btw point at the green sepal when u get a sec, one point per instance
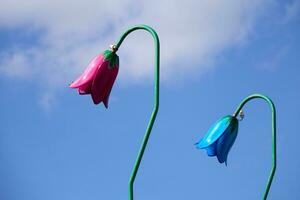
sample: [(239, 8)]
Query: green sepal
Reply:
[(112, 58)]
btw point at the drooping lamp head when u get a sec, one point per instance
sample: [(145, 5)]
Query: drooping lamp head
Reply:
[(99, 77), (220, 137)]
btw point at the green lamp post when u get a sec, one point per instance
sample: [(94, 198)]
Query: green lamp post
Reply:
[(98, 79), (156, 100)]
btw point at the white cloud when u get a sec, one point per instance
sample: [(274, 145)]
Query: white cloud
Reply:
[(15, 65), (72, 32)]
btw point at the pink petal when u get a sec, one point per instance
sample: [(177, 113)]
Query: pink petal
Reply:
[(105, 102), (87, 77), (85, 89), (99, 82), (103, 82), (109, 86)]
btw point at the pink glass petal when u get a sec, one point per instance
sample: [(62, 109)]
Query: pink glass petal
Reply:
[(89, 73), (99, 83), (103, 83), (85, 89), (110, 84)]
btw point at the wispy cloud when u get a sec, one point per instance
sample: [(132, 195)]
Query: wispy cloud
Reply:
[(46, 101), (15, 65), (292, 11), (74, 31), (273, 61)]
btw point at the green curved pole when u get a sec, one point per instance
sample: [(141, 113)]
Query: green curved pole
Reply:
[(274, 157), (156, 99)]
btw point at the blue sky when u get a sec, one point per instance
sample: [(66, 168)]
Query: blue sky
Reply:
[(57, 145)]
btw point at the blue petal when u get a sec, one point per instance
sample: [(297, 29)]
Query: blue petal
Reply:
[(212, 149), (226, 141), (215, 132)]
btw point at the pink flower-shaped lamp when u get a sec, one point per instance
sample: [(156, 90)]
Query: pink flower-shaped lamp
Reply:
[(99, 77)]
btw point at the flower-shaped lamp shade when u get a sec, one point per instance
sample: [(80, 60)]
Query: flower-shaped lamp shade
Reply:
[(99, 77), (219, 138)]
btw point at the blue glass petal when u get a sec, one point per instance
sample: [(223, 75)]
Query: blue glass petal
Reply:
[(215, 132), (226, 141), (212, 149)]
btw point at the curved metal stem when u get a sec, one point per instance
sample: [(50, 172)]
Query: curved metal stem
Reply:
[(156, 99), (271, 104)]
